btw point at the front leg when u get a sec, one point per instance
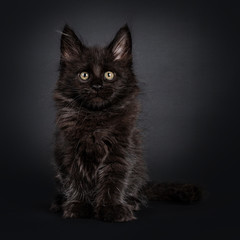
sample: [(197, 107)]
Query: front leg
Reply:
[(77, 209), (110, 204), (75, 206)]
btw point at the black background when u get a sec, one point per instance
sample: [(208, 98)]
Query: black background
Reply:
[(186, 56)]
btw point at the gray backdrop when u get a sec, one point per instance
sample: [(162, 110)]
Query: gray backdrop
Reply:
[(186, 57)]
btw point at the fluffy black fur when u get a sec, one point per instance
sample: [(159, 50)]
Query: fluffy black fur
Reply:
[(100, 169)]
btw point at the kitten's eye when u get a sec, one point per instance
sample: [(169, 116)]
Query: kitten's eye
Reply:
[(84, 76), (109, 75)]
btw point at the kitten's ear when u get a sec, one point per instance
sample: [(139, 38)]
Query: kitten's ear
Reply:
[(71, 46), (121, 45)]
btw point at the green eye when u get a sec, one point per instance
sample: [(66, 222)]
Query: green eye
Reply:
[(84, 76), (109, 75)]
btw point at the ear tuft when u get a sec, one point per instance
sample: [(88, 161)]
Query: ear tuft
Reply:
[(71, 46), (121, 46)]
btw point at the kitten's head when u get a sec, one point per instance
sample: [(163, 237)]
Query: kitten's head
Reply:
[(95, 77)]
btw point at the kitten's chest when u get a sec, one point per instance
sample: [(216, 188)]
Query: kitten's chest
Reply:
[(95, 135), (90, 123), (90, 134), (92, 144), (94, 129), (91, 153)]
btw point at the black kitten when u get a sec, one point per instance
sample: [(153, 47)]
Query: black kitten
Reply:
[(100, 169)]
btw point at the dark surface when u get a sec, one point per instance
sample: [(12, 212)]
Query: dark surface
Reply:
[(187, 60)]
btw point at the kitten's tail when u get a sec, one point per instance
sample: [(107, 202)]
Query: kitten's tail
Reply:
[(177, 192)]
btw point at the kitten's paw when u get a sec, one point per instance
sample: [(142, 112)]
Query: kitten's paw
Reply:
[(115, 213), (78, 210)]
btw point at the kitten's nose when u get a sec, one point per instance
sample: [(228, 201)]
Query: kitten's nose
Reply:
[(97, 86)]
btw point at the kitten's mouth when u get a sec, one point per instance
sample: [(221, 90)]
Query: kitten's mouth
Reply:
[(98, 99)]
